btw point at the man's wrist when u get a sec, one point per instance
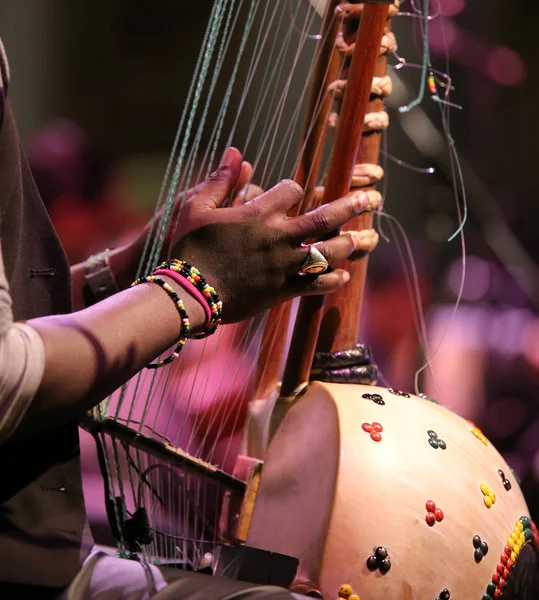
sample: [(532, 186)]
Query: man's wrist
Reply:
[(100, 281), (194, 309), (124, 263)]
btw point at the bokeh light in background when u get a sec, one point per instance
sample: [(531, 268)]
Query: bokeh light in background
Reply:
[(444, 36), (505, 67), (501, 64), (451, 8)]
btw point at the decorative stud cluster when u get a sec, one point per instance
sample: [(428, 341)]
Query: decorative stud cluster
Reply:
[(479, 435), (376, 398), (379, 560), (523, 533), (505, 481), (435, 441), (347, 593), (398, 393), (481, 549), (433, 514), (375, 429), (489, 497)]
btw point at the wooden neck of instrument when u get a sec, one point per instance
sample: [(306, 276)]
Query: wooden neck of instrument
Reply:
[(345, 151), (275, 341), (341, 322)]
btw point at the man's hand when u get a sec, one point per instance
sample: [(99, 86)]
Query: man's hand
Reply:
[(125, 260), (252, 253), (242, 192)]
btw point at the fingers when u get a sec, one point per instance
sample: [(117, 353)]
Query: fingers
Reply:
[(246, 194), (323, 284), (327, 218), (334, 250), (339, 247), (280, 200), (245, 176), (216, 190)]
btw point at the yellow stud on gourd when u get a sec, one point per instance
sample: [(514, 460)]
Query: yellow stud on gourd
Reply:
[(345, 591)]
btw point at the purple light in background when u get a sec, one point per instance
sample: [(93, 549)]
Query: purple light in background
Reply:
[(450, 8), (443, 35), (477, 282), (505, 67)]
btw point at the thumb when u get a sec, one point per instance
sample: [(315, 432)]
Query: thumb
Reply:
[(215, 191)]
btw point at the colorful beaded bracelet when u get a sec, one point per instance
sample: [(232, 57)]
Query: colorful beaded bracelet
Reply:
[(183, 316), (194, 277), (190, 288)]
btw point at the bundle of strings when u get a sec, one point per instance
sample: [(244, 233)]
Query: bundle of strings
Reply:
[(167, 438)]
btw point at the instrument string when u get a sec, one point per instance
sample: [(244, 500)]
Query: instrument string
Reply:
[(274, 75), (224, 44), (223, 408), (180, 505), (279, 326), (215, 28), (231, 403), (187, 173), (249, 82), (276, 125), (165, 200), (277, 117), (269, 341), (244, 387), (250, 78), (145, 266), (215, 135), (314, 117)]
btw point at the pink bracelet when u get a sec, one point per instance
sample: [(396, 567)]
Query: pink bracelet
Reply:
[(188, 287)]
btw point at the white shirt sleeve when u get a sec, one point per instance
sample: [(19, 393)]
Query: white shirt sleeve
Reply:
[(22, 362)]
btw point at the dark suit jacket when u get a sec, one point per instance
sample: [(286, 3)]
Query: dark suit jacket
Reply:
[(43, 531)]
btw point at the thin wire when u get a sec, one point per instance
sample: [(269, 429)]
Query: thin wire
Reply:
[(198, 78), (171, 197), (408, 166), (222, 15), (426, 61), (315, 36), (250, 79), (273, 126), (458, 179), (278, 116), (406, 259)]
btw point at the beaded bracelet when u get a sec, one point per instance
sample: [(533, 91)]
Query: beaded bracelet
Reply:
[(190, 288), (194, 277), (183, 315)]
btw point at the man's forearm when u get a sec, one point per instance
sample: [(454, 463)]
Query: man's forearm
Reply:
[(91, 353)]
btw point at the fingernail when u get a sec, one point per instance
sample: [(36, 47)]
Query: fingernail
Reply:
[(361, 200), (227, 157), (346, 277)]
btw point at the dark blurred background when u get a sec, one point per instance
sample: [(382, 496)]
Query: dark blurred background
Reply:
[(109, 78)]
